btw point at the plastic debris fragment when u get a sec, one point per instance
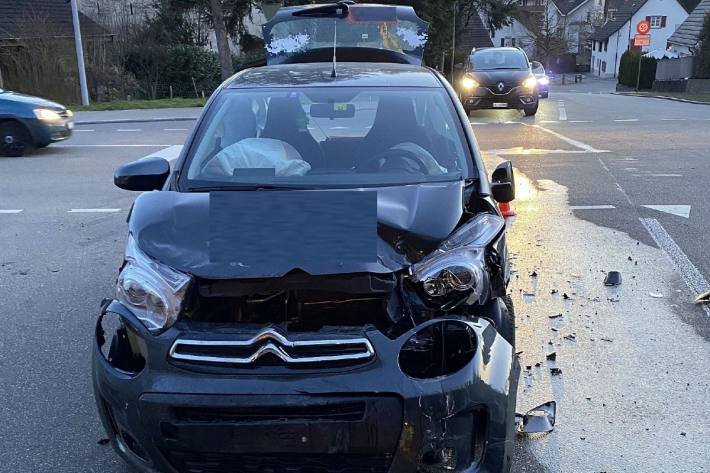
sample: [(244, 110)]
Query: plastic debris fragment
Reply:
[(703, 298), (656, 295), (613, 278), (538, 420)]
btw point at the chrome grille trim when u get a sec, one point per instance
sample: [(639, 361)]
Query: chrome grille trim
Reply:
[(275, 344)]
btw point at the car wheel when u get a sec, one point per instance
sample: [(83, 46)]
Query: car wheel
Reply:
[(14, 139), (507, 324), (530, 111)]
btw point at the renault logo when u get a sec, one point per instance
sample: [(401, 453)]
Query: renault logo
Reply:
[(501, 86)]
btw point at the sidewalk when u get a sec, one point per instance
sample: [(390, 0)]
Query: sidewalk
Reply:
[(589, 84), (136, 116)]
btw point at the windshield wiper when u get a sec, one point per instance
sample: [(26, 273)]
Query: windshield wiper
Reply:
[(243, 187)]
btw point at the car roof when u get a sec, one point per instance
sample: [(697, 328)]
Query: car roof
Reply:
[(349, 74)]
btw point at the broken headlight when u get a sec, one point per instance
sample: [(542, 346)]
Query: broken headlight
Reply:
[(456, 271), (152, 291)]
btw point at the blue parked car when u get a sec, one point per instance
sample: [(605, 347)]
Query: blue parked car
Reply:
[(31, 122)]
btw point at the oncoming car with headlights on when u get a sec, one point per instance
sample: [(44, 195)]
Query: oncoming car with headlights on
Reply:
[(499, 78), (319, 282)]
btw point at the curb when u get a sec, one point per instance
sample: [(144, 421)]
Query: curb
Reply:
[(134, 120), (662, 97)]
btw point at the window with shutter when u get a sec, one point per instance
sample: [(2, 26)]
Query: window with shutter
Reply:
[(656, 21), (663, 21)]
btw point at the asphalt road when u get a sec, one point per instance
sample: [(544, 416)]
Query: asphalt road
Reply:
[(632, 396)]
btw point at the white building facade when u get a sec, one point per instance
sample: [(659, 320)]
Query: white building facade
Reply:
[(613, 38)]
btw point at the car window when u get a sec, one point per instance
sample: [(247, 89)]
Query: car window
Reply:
[(329, 136), (492, 59)]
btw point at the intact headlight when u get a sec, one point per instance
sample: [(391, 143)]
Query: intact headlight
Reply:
[(529, 83), (458, 267), (544, 80), (47, 115), (152, 291), (469, 83)]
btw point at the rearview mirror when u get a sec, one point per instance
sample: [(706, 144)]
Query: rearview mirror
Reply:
[(143, 175), (503, 183), (333, 110)]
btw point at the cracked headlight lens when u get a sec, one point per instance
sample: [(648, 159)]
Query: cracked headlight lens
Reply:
[(458, 266), (152, 291)]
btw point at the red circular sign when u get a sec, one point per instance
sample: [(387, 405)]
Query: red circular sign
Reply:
[(643, 27)]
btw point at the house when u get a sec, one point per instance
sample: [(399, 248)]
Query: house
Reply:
[(475, 35), (535, 22), (616, 35), (685, 38), (27, 19)]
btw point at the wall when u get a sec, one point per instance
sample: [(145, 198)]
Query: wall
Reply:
[(675, 14), (516, 31)]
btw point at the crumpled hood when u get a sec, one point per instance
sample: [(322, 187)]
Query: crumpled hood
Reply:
[(257, 234)]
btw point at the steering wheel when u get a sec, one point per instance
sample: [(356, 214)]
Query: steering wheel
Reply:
[(396, 160)]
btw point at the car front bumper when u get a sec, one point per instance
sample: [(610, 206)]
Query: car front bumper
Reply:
[(371, 418), (484, 98), (44, 133)]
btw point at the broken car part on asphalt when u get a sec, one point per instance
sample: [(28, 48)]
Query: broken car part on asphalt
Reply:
[(538, 420), (613, 278)]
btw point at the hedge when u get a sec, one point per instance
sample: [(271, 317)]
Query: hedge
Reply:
[(629, 69)]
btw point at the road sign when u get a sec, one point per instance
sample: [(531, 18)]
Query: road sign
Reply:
[(642, 40), (643, 27)]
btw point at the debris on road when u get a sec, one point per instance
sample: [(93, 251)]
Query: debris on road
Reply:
[(656, 295), (103, 441), (566, 297), (613, 278), (533, 274), (554, 316), (570, 337), (703, 298), (554, 291), (552, 356), (538, 420), (555, 371)]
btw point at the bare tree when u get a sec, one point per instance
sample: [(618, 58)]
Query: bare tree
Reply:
[(220, 30)]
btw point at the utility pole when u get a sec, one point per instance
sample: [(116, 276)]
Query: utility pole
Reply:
[(79, 53), (453, 46)]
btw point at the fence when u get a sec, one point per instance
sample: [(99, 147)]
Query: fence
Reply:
[(675, 69)]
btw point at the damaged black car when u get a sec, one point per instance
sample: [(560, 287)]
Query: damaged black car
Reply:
[(318, 283)]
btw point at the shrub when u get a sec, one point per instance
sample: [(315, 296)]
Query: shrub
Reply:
[(629, 70)]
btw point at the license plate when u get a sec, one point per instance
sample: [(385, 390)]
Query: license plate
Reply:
[(500, 105)]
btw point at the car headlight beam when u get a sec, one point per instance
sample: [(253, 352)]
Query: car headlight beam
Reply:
[(543, 80), (529, 83), (47, 115), (153, 291), (468, 83)]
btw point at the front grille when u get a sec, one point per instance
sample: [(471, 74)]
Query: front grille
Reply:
[(270, 347), (194, 462), (507, 88), (336, 411)]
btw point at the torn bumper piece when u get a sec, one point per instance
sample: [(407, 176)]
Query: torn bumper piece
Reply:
[(176, 416)]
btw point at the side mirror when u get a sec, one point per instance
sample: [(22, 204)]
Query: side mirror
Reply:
[(503, 183), (143, 175), (536, 65)]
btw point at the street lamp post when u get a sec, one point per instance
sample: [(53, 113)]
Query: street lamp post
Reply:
[(79, 53)]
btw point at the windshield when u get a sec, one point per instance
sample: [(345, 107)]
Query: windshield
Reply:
[(330, 136), (493, 59), (538, 69)]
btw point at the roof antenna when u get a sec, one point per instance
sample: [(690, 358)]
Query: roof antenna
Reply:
[(335, 44)]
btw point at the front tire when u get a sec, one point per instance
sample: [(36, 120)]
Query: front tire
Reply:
[(545, 95), (14, 140), (530, 111), (507, 323)]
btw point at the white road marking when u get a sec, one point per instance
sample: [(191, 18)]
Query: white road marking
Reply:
[(679, 210), (631, 169), (478, 123), (592, 207), (535, 151), (510, 122), (563, 112), (82, 129), (10, 211), (626, 120), (580, 121), (175, 129), (616, 183), (128, 129), (90, 211), (548, 121), (578, 144), (657, 175), (673, 119), (690, 274), (171, 153)]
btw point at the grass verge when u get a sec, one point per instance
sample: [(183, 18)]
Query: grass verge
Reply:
[(140, 104)]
